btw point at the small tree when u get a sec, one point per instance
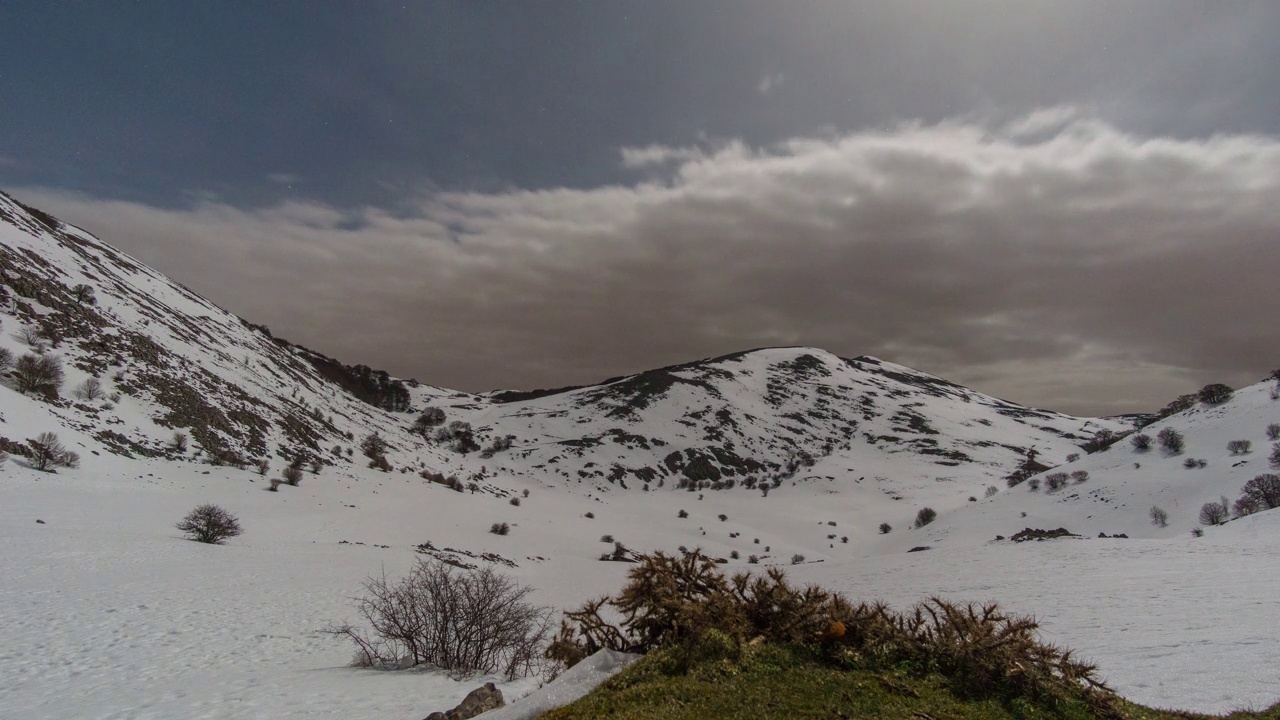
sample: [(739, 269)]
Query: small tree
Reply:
[(209, 524), (90, 389), (84, 294), (1159, 517), (38, 374), (1263, 491), (1239, 447), (430, 417), (46, 451), (885, 528), (6, 359), (1245, 505), (1275, 456), (1213, 513), (1141, 442), (925, 516), (374, 445), (1171, 440), (1215, 394)]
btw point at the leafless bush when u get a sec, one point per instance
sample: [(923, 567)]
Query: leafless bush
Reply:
[(1080, 476), (1171, 440), (262, 465), (1245, 505), (40, 374), (464, 621), (1214, 513), (1033, 484), (500, 528), (30, 335), (275, 484), (1141, 442), (179, 442), (1197, 532), (514, 501), (991, 491), (925, 516), (1073, 457), (1273, 431), (209, 524), (1053, 482), (1264, 490), (1239, 447), (46, 451), (1275, 456), (292, 475), (90, 389), (885, 528), (1159, 517), (682, 514), (6, 359), (797, 559)]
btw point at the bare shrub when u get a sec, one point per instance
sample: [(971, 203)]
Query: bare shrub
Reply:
[(515, 501), (682, 514), (925, 516), (292, 475), (1239, 447), (1080, 476), (275, 484), (262, 465), (1275, 456), (1159, 517), (1264, 490), (1033, 484), (209, 524), (1073, 457), (179, 442), (46, 451), (885, 528), (991, 491), (90, 389), (6, 359), (465, 621), (30, 335), (1197, 532), (1141, 442), (1190, 463), (1245, 505), (1214, 513), (723, 517), (606, 539), (1054, 482), (1171, 440), (38, 374), (1273, 431), (797, 559), (500, 528)]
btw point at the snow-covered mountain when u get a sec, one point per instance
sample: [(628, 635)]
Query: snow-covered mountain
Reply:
[(766, 457)]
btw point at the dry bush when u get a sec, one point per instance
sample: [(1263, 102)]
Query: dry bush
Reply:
[(1080, 476), (6, 359), (1273, 431), (292, 475), (39, 374), (1214, 513), (925, 516), (1171, 440), (47, 452), (464, 621), (209, 524), (677, 602), (90, 389), (1263, 491), (1141, 442), (262, 465), (1245, 506), (885, 528), (1239, 447), (1053, 482), (1159, 517)]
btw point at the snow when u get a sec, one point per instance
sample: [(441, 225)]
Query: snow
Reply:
[(108, 613), (569, 686)]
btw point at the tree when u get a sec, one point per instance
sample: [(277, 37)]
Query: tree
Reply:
[(459, 435), (465, 621), (375, 447), (1263, 491), (925, 516), (885, 528), (90, 389), (84, 294), (46, 451), (1213, 513), (1215, 394), (430, 417), (1275, 456), (6, 359), (209, 524), (1171, 440), (1141, 442), (1239, 447), (1159, 517), (1245, 505), (40, 374)]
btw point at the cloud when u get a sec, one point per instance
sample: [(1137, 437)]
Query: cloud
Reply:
[(769, 83), (1077, 267)]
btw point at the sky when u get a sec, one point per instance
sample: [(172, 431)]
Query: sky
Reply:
[(1070, 205)]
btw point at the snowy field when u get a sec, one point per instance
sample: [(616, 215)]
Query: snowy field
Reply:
[(109, 614)]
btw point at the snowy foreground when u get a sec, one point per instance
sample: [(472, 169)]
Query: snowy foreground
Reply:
[(107, 613)]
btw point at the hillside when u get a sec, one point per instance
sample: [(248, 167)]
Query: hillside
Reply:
[(777, 456)]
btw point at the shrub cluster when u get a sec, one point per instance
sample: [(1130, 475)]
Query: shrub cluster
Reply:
[(465, 621), (1171, 440), (683, 602), (38, 374), (1239, 447)]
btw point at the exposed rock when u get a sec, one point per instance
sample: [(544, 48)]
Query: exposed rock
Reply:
[(1037, 534), (483, 699)]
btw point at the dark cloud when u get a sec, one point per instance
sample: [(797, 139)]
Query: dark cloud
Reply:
[(1052, 259)]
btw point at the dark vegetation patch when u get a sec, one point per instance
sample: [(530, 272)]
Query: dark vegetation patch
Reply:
[(1037, 534)]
